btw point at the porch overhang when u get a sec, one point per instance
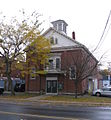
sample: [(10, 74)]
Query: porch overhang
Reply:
[(55, 72)]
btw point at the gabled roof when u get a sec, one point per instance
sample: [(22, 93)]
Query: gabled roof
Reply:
[(79, 45), (51, 28)]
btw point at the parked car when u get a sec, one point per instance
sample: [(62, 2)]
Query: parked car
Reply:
[(1, 90), (1, 86), (103, 92), (19, 87)]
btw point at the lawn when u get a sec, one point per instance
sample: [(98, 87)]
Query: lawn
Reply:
[(18, 95), (87, 98)]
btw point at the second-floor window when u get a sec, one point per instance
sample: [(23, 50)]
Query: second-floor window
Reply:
[(72, 73), (51, 64), (33, 73), (57, 63), (54, 63)]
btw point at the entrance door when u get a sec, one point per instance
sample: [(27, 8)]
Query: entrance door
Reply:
[(51, 86)]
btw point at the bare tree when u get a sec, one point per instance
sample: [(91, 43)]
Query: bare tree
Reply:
[(79, 64)]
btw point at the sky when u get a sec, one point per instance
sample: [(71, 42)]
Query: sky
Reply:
[(86, 17)]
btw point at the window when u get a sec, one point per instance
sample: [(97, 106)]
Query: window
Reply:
[(59, 26), (51, 66), (52, 40), (106, 89), (72, 73), (33, 74), (56, 41), (62, 26), (57, 63)]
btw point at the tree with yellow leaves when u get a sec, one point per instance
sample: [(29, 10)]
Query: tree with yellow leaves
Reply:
[(18, 37)]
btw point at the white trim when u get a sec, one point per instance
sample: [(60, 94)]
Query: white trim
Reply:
[(51, 93), (53, 58), (51, 78)]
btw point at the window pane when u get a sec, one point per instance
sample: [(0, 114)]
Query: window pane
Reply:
[(59, 26), (73, 73), (52, 40), (51, 64), (57, 63), (56, 41), (33, 73)]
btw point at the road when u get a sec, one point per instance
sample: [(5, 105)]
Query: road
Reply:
[(27, 111)]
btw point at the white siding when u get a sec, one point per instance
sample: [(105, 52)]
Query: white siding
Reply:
[(62, 40)]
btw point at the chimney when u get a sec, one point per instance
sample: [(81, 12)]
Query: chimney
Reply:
[(73, 35)]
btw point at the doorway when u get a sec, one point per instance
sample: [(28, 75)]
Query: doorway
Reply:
[(51, 86)]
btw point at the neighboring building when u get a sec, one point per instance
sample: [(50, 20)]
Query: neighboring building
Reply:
[(61, 71), (16, 74), (105, 81)]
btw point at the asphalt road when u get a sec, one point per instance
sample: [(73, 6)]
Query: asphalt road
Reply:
[(12, 111)]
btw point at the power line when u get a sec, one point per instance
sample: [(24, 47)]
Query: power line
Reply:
[(106, 34), (103, 31)]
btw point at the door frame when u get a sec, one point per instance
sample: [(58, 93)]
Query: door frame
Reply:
[(51, 79)]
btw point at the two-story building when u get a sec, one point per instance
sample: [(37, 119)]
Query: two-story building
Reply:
[(62, 70)]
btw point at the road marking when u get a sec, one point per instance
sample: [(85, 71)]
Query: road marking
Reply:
[(40, 116)]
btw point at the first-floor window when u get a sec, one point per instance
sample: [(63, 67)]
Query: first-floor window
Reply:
[(33, 74), (72, 73)]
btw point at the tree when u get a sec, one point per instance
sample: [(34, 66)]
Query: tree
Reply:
[(81, 65), (104, 72), (37, 57), (15, 36)]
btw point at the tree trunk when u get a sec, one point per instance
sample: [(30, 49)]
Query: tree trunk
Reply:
[(40, 80), (8, 74), (76, 88), (10, 84), (40, 85)]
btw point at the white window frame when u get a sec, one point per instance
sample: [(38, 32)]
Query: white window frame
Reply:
[(53, 40), (54, 62)]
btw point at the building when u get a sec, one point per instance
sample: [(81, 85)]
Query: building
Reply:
[(67, 55), (105, 81)]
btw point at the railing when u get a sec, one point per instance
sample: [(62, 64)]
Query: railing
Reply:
[(52, 68)]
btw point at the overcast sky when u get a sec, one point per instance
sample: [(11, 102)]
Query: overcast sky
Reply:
[(86, 17)]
